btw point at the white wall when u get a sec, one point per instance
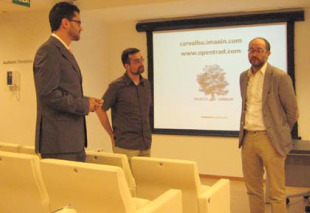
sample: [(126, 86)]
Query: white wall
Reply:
[(302, 74), (19, 38), (98, 53)]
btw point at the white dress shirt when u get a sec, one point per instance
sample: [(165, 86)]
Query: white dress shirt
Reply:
[(56, 36), (254, 113)]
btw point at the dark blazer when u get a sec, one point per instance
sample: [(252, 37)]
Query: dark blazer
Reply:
[(279, 108), (61, 105)]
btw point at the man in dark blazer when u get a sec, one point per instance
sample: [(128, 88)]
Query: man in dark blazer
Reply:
[(269, 112), (61, 105)]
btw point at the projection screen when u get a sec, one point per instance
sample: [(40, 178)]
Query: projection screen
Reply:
[(195, 73)]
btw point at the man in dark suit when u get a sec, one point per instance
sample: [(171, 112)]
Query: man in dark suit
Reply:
[(269, 112), (61, 105)]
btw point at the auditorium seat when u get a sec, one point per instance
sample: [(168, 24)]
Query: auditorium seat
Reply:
[(100, 188), (113, 159), (27, 149), (22, 187), (9, 147), (155, 175)]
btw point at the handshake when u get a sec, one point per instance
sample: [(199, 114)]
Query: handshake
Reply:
[(94, 104)]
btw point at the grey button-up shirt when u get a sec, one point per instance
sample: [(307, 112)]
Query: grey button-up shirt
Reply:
[(130, 105)]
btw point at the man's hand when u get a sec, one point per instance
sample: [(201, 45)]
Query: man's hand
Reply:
[(112, 139), (94, 104)]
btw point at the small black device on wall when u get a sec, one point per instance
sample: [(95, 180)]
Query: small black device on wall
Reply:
[(10, 78)]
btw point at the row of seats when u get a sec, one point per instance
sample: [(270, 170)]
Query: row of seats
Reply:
[(113, 159), (29, 184), (11, 147), (96, 157), (22, 187), (154, 175), (150, 178)]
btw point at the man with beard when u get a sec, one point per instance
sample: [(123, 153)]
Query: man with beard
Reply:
[(129, 97), (269, 112), (61, 104)]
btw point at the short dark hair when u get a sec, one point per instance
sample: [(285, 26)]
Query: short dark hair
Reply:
[(126, 53), (268, 47), (59, 11)]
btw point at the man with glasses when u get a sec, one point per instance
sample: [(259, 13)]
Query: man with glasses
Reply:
[(129, 97), (61, 105), (269, 112)]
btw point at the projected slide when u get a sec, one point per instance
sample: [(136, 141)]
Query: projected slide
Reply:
[(196, 74)]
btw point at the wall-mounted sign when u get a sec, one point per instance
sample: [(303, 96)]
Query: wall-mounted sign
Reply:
[(18, 61), (25, 3)]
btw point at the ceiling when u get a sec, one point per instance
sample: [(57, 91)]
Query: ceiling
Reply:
[(6, 6), (115, 10)]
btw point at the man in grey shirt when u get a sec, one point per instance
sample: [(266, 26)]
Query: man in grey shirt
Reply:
[(129, 97)]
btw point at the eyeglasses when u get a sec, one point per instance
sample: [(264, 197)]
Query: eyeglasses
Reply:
[(138, 61), (257, 51), (77, 21)]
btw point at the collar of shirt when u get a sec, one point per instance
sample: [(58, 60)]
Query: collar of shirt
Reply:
[(56, 36), (129, 81), (261, 71)]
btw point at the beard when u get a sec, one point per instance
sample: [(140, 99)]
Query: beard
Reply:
[(141, 69), (76, 37), (74, 34), (255, 62), (136, 71)]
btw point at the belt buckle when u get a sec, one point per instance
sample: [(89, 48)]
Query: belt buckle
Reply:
[(255, 131)]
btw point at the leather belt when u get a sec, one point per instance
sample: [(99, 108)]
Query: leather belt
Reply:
[(255, 131)]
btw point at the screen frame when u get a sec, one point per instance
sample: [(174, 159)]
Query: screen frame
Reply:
[(219, 21)]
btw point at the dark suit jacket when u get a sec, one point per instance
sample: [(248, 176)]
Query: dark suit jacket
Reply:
[(61, 106), (279, 108)]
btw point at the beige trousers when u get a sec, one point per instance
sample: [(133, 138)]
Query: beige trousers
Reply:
[(257, 154), (131, 153)]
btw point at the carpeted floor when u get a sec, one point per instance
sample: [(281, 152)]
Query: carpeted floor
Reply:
[(239, 199)]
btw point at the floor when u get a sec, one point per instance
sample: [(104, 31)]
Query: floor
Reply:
[(239, 199)]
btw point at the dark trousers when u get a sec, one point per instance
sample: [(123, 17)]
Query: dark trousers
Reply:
[(73, 156)]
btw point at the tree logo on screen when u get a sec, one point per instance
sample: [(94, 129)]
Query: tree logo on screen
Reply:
[(212, 81)]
